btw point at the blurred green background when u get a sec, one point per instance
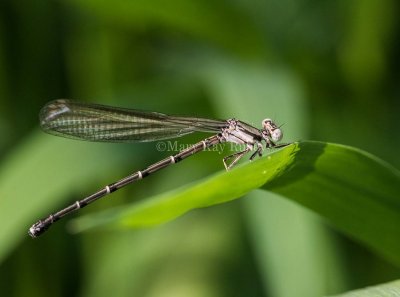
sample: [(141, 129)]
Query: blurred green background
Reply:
[(327, 70)]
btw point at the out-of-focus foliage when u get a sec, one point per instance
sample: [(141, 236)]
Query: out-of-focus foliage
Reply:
[(327, 70), (389, 289)]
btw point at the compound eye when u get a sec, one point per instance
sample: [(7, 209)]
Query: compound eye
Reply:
[(267, 123), (276, 135), (272, 130)]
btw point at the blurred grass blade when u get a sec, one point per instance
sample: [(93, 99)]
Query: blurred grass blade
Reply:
[(355, 191), (232, 21), (32, 184), (383, 290), (282, 272)]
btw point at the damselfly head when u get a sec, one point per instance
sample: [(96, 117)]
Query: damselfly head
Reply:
[(272, 130)]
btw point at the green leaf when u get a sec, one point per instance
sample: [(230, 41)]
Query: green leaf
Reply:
[(383, 290), (205, 193), (355, 191)]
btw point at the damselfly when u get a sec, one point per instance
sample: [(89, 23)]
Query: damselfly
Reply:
[(95, 122)]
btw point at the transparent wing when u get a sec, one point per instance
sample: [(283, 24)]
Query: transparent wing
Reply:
[(95, 122)]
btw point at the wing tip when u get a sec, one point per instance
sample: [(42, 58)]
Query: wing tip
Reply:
[(52, 111)]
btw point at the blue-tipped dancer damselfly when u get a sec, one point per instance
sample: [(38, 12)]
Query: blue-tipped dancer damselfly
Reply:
[(95, 122)]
